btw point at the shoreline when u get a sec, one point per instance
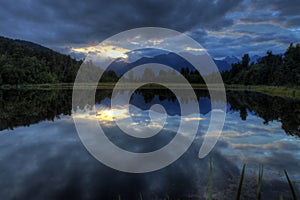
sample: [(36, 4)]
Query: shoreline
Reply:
[(280, 91)]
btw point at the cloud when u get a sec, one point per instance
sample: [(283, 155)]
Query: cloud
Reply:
[(285, 8), (223, 27), (285, 13), (252, 38), (68, 22)]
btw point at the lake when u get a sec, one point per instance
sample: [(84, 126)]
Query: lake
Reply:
[(42, 157)]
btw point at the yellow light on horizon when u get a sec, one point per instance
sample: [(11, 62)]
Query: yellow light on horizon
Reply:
[(110, 115), (194, 49), (103, 51)]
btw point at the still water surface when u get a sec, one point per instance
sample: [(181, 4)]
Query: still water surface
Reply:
[(41, 156)]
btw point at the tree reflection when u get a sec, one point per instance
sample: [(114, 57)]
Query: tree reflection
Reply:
[(269, 108), (25, 107)]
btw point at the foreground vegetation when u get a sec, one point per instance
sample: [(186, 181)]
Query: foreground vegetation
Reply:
[(239, 192), (259, 184)]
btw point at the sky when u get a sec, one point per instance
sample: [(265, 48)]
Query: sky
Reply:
[(223, 27)]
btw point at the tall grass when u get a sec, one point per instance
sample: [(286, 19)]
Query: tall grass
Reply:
[(239, 192), (141, 196), (210, 180), (291, 185), (259, 183), (238, 195)]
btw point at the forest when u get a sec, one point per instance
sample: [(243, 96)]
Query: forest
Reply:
[(29, 63), (271, 69)]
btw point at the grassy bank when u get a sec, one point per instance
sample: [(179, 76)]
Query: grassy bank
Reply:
[(100, 86), (281, 91)]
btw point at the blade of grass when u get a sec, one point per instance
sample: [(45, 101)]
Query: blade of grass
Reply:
[(238, 195), (260, 175), (141, 196), (281, 197), (291, 185), (210, 180)]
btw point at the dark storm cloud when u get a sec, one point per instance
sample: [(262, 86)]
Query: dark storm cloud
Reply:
[(286, 8), (294, 22), (281, 12), (239, 45), (221, 26), (61, 22), (258, 26)]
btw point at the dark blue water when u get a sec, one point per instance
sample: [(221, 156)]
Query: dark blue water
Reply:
[(42, 157)]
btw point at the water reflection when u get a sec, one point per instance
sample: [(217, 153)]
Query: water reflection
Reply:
[(47, 160), (269, 108), (23, 108)]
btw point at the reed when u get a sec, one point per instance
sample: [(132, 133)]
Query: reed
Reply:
[(291, 185), (210, 180), (260, 176), (238, 195)]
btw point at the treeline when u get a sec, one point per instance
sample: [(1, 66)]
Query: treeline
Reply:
[(192, 76), (28, 63), (269, 70), (23, 62)]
